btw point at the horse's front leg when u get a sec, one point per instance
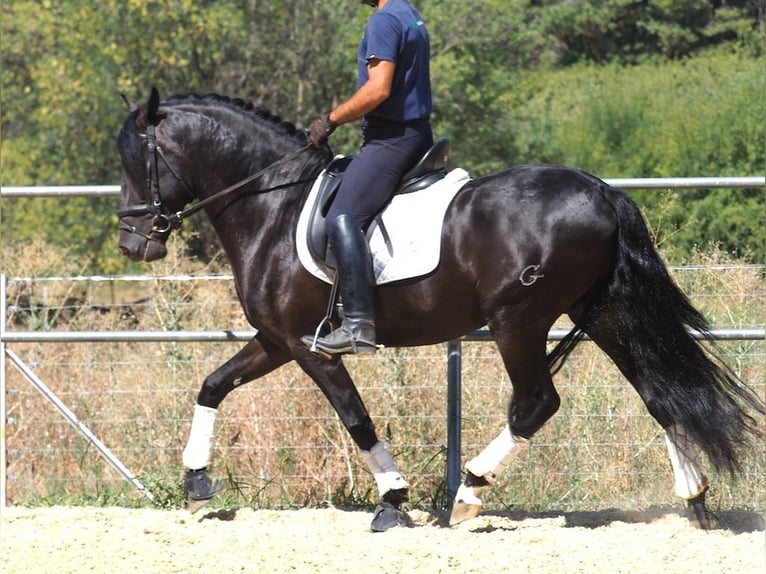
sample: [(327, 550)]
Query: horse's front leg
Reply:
[(333, 379), (254, 360)]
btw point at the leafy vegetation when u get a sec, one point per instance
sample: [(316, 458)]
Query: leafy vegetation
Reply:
[(699, 117), (621, 88)]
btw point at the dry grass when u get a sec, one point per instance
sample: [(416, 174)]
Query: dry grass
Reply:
[(278, 441)]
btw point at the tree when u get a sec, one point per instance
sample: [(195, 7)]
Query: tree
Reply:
[(629, 31), (499, 72), (65, 62)]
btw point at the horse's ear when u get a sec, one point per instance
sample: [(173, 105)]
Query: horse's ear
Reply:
[(154, 102), (147, 114), (132, 106)]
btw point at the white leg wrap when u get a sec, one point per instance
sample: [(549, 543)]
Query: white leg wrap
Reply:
[(690, 482), (198, 449), (383, 468), (469, 495), (498, 454)]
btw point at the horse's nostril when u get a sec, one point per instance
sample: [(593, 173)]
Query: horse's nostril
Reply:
[(123, 250)]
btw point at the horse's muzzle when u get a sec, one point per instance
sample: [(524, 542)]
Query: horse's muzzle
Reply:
[(138, 246)]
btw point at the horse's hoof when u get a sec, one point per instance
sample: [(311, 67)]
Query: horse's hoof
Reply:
[(199, 488), (462, 512), (387, 516), (699, 515), (465, 506), (397, 497)]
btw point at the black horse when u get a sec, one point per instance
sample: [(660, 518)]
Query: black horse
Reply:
[(518, 249)]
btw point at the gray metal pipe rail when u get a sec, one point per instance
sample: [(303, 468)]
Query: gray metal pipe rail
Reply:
[(736, 182), (481, 335)]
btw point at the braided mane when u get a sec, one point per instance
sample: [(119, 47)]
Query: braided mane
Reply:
[(254, 111)]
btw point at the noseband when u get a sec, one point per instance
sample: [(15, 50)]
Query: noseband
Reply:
[(164, 221)]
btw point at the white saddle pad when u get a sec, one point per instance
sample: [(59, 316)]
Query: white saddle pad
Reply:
[(413, 222)]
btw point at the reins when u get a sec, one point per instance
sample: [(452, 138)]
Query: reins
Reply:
[(240, 184), (164, 222)]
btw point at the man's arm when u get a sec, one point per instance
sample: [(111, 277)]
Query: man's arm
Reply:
[(373, 92)]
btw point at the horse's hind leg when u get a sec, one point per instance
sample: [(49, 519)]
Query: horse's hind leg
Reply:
[(481, 472), (254, 360), (690, 482), (534, 401)]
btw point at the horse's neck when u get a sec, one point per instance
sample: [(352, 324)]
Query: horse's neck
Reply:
[(259, 223), (253, 220)]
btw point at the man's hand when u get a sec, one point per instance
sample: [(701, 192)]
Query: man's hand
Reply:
[(320, 129)]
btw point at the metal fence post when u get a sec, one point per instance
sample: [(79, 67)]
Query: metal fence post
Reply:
[(3, 408), (454, 365)]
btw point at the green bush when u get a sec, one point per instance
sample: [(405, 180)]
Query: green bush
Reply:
[(695, 118)]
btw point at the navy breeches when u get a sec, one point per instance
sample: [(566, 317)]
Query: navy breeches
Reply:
[(389, 150)]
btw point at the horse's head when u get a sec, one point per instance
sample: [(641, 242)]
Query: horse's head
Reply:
[(151, 190), (204, 148)]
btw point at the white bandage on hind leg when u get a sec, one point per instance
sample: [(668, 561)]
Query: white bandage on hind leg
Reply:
[(383, 468), (498, 454), (690, 482), (197, 453)]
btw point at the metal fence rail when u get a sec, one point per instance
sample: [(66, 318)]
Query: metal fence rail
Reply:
[(738, 182)]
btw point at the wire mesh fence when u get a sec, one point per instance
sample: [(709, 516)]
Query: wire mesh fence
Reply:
[(279, 443)]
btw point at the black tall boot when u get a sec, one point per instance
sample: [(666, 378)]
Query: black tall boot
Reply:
[(356, 282)]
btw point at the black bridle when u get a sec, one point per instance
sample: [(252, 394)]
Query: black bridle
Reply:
[(165, 221)]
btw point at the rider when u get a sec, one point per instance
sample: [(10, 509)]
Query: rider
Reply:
[(393, 98)]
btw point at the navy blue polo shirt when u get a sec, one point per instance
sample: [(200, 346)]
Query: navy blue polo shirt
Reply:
[(397, 33)]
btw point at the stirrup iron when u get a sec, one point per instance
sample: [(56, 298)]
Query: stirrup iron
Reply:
[(327, 319)]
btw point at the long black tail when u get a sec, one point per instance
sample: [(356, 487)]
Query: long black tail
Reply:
[(681, 380)]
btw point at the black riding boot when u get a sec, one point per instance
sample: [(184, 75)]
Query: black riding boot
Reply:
[(354, 267)]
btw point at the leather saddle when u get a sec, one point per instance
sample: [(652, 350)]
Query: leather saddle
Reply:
[(430, 168)]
